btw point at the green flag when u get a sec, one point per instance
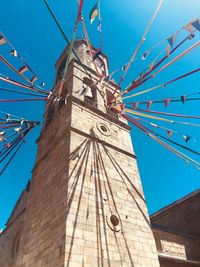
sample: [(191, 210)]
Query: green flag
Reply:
[(93, 13)]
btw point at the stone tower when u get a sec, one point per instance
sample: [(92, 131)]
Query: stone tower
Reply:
[(84, 206)]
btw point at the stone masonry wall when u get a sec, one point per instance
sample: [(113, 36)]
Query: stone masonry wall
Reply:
[(105, 182), (176, 245)]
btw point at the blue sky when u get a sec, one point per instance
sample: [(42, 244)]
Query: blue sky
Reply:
[(29, 27)]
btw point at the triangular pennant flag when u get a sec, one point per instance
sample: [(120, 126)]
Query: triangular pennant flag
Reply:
[(99, 27), (172, 39), (186, 138), (168, 51), (149, 103), (145, 54), (2, 136), (93, 13), (169, 133), (167, 101), (8, 117), (188, 27), (8, 145), (133, 82), (183, 99), (2, 40), (18, 129), (196, 24), (23, 69), (124, 67), (154, 125), (33, 79), (97, 54), (135, 105), (13, 53)]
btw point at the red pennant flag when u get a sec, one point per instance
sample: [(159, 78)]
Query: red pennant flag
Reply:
[(135, 105), (33, 79), (23, 69), (2, 40), (167, 101), (149, 103), (183, 99), (8, 145), (169, 133)]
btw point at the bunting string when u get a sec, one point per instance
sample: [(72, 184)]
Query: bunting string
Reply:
[(169, 132), (188, 27), (14, 69), (11, 158), (14, 130), (173, 142), (144, 79), (160, 118), (175, 151), (182, 98), (168, 114), (179, 145), (20, 84), (141, 41), (89, 45), (176, 58), (22, 100), (182, 76), (19, 92), (160, 85), (139, 45), (64, 35), (70, 49), (15, 53)]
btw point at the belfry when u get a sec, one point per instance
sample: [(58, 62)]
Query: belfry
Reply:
[(84, 205)]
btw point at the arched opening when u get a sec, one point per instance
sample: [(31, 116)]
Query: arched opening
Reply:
[(89, 91)]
